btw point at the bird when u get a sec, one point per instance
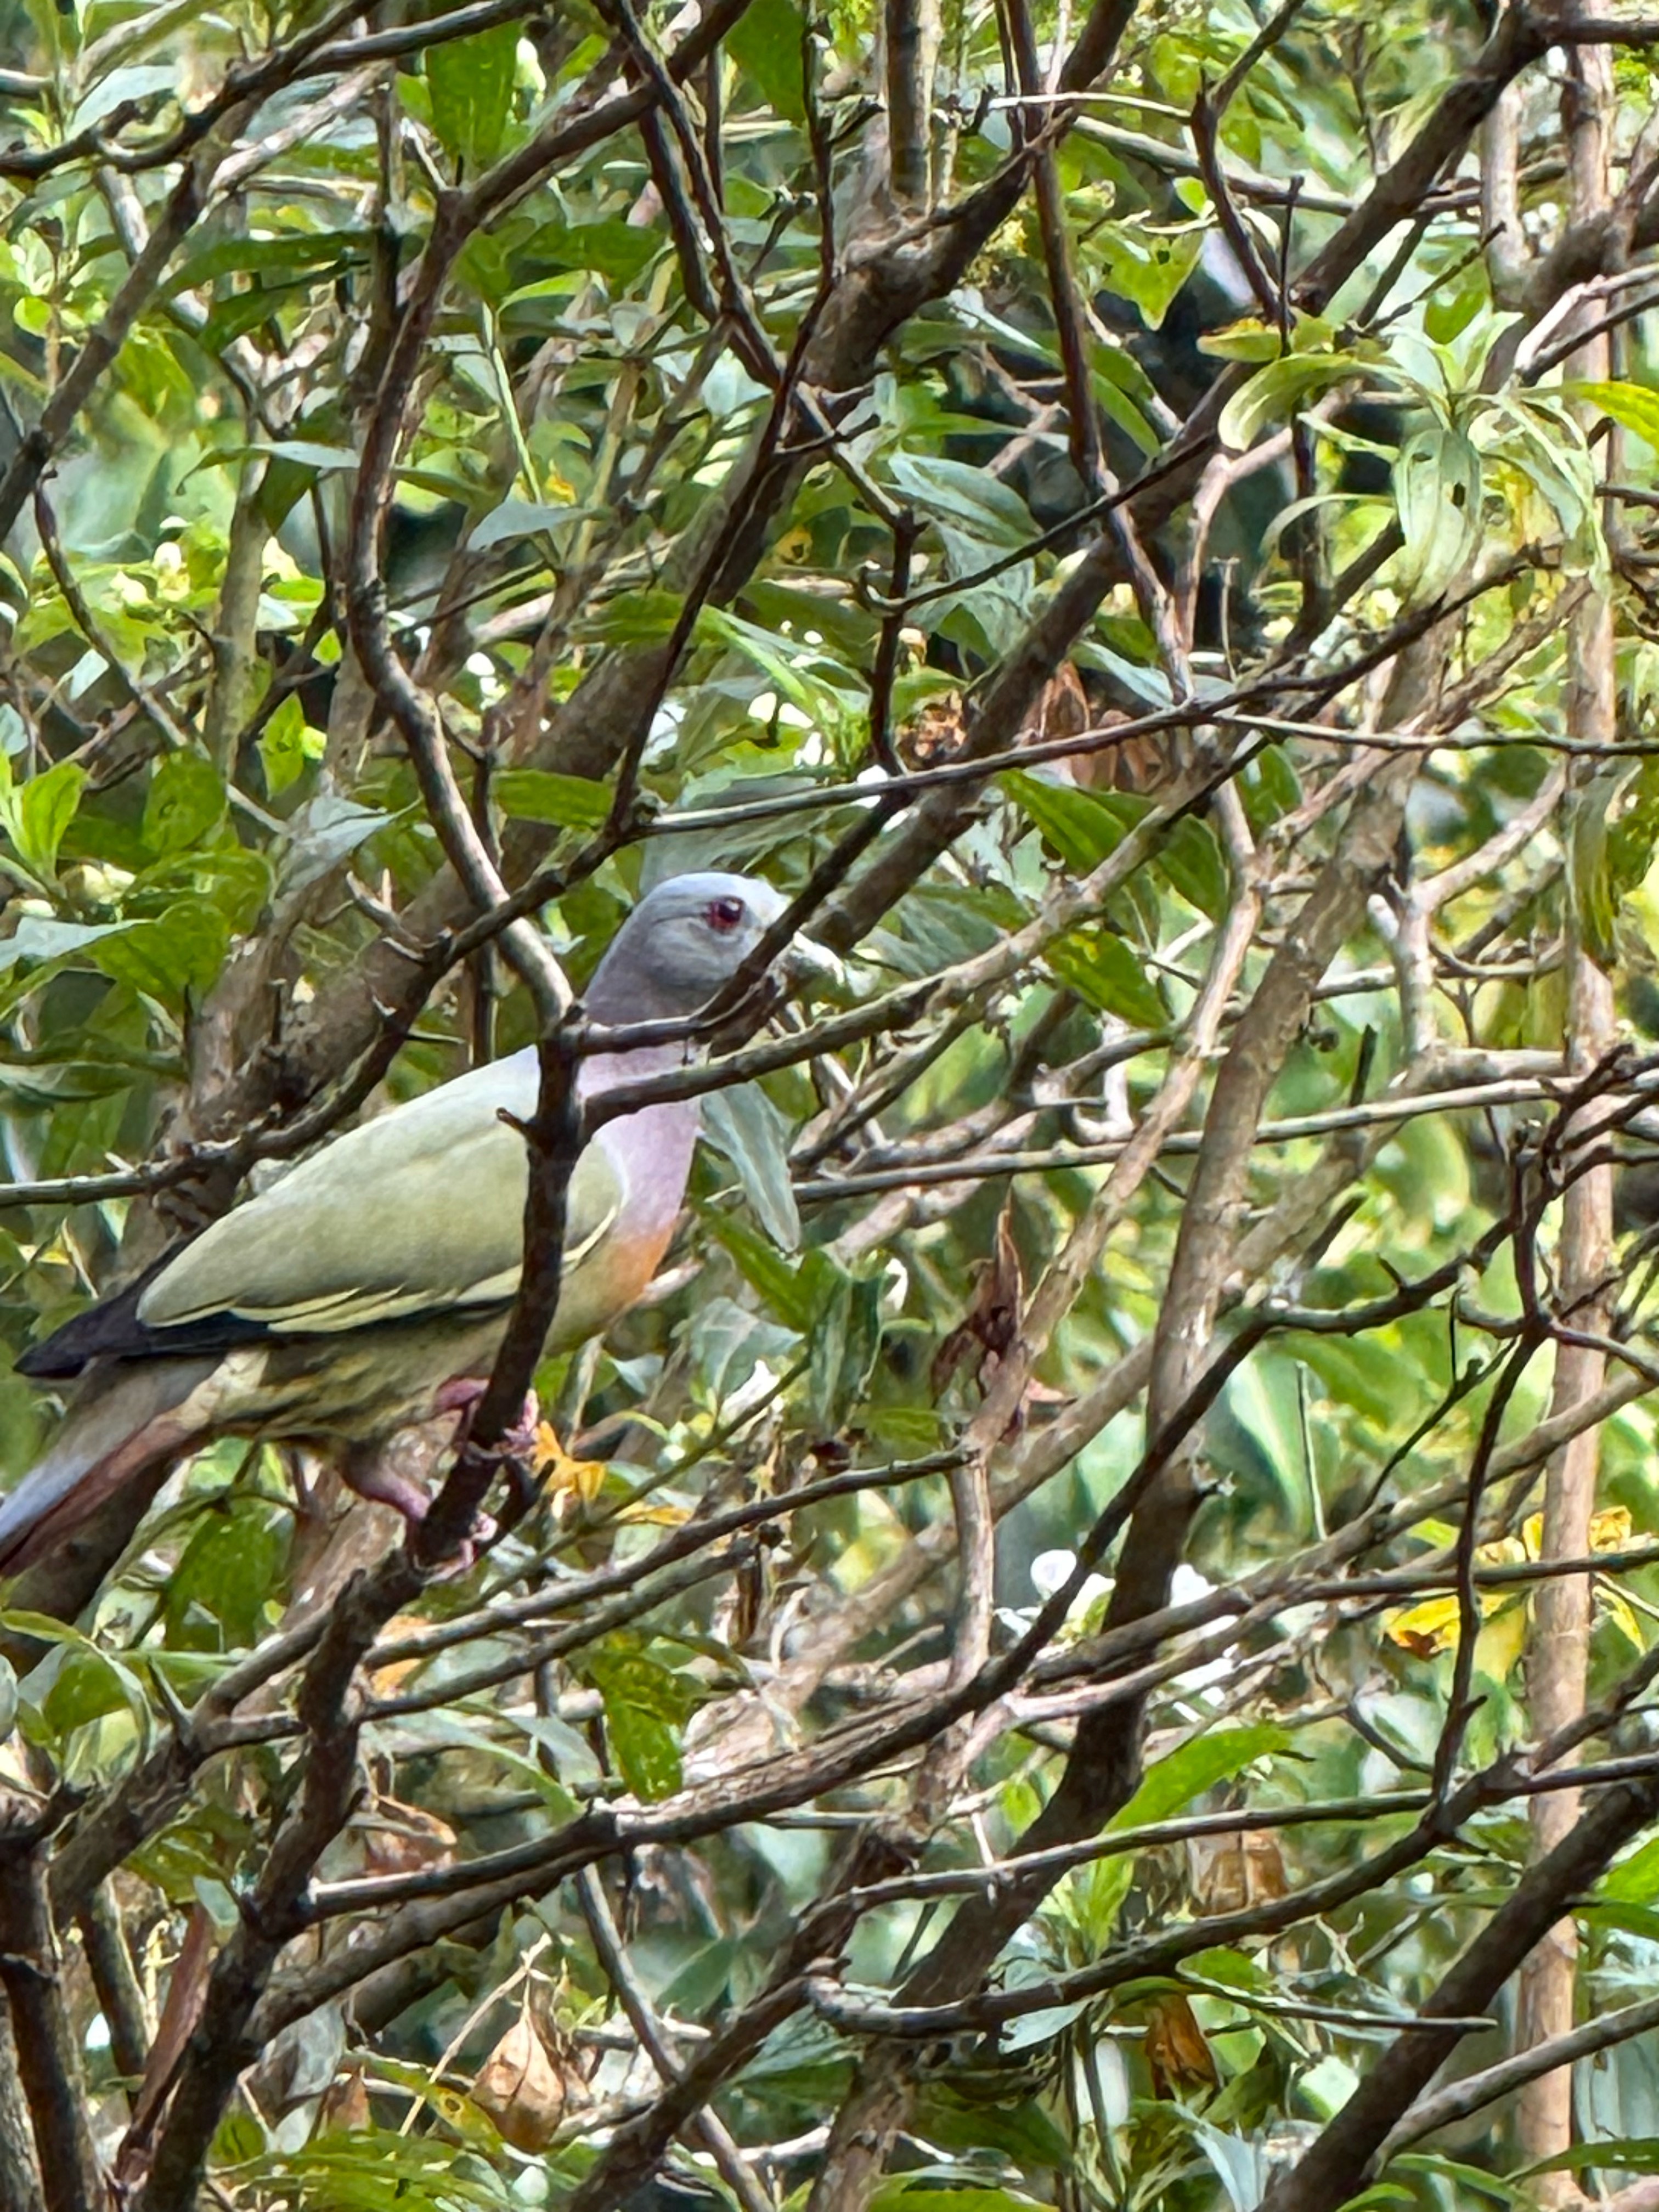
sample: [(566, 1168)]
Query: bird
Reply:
[(370, 1286)]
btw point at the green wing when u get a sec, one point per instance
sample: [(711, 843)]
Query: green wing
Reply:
[(420, 1211)]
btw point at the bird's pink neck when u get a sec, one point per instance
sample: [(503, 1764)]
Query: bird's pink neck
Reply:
[(651, 1148)]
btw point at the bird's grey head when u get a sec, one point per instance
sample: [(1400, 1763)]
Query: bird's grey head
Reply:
[(682, 942)]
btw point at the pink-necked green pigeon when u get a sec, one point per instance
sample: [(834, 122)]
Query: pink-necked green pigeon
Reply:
[(345, 1300)]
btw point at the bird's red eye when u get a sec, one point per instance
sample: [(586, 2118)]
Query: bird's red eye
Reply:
[(724, 915)]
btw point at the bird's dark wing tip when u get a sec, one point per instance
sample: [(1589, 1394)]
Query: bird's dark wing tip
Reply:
[(110, 1326), (112, 1329), (47, 1362)]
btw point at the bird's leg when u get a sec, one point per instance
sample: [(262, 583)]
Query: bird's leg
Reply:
[(522, 1446), (373, 1471), (460, 1395)]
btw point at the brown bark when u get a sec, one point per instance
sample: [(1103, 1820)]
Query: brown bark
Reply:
[(1557, 1656), (19, 2177), (46, 2048)]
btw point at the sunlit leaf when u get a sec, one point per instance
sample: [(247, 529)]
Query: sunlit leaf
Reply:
[(471, 81)]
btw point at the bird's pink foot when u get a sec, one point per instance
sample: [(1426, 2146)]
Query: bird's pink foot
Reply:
[(371, 1471), (460, 1394), (525, 1435), (520, 1446)]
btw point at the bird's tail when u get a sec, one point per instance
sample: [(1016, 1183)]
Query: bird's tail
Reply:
[(124, 1422)]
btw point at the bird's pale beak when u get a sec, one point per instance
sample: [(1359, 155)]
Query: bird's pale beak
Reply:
[(805, 957)]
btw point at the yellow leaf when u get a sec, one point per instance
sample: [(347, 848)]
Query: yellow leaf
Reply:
[(1619, 1608), (1502, 1640), (1610, 1528), (1426, 1628), (1609, 1531), (564, 1477), (1504, 1552), (1431, 1627)]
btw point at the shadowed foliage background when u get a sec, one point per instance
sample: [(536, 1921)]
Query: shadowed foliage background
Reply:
[(1140, 521)]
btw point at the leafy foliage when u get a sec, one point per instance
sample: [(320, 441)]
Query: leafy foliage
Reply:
[(1140, 582)]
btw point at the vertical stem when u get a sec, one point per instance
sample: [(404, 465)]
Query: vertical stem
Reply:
[(231, 698), (20, 2178), (120, 1997), (1083, 429), (47, 2054), (912, 35), (1557, 1657), (1500, 199)]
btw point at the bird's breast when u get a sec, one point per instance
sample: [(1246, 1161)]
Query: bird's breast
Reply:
[(650, 1150)]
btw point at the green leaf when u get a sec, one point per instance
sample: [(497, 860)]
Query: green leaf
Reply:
[(611, 248), (786, 1290), (960, 2121), (1190, 861), (287, 745), (798, 672), (1632, 405), (1274, 394), (645, 1709), (470, 81), (39, 938), (321, 253), (186, 800), (225, 1575), (1540, 439), (301, 453), (641, 618), (901, 2195), (970, 496), (845, 1340), (1635, 1879), (1593, 886), (536, 794), (46, 807), (1148, 265), (767, 43), (173, 959), (1104, 970), (321, 834), (1122, 390), (376, 2169), (1437, 488), (1216, 1756), (1634, 2153), (1168, 1786), (75, 1683), (518, 518), (1453, 307), (1249, 339), (1082, 827), (754, 1136), (703, 1981)]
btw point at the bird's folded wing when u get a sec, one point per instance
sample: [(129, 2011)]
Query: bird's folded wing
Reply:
[(419, 1212)]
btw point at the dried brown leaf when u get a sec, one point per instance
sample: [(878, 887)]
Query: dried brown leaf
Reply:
[(523, 2086), (1176, 2051)]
